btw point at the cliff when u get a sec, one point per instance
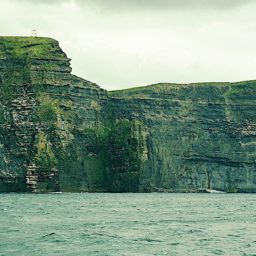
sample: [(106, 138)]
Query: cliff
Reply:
[(197, 135), (60, 132), (44, 114)]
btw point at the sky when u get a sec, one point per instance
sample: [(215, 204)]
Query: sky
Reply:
[(128, 43)]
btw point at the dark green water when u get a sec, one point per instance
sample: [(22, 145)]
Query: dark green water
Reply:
[(127, 224)]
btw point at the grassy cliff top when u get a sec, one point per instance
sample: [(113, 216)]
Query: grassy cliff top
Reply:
[(30, 47), (14, 47), (231, 89)]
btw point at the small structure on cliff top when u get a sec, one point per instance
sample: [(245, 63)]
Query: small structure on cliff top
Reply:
[(34, 33)]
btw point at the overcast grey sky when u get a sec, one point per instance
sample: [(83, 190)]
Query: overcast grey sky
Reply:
[(120, 44)]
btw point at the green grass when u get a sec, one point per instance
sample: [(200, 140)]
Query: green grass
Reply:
[(244, 88), (235, 89), (147, 90), (48, 110), (29, 47)]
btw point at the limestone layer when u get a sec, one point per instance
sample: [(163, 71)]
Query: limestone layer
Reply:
[(59, 132)]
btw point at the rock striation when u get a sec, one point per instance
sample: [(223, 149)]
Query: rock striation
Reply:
[(59, 132), (44, 114), (196, 135)]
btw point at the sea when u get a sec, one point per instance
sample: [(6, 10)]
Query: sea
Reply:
[(136, 224)]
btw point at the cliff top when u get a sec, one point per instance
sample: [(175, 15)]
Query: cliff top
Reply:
[(230, 89), (30, 47), (15, 47)]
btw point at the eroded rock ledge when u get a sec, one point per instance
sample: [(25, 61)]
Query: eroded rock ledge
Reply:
[(59, 132)]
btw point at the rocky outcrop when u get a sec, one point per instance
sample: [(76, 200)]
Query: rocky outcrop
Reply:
[(60, 132)]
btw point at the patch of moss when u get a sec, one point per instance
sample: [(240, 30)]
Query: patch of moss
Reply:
[(48, 109), (45, 157), (123, 146), (233, 189), (242, 89), (120, 146)]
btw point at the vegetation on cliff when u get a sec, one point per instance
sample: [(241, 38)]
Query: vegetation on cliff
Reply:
[(60, 131), (119, 147), (29, 47), (44, 157), (48, 110)]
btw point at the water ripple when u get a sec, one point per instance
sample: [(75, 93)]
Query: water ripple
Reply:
[(127, 224)]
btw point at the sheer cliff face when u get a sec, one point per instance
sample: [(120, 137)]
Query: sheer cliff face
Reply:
[(44, 114), (60, 132), (197, 135)]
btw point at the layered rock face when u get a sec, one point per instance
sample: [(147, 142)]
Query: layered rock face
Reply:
[(59, 132), (197, 135), (44, 114)]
